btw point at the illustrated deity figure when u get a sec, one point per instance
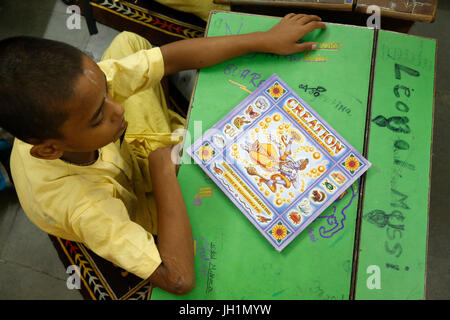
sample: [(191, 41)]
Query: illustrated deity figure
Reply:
[(276, 160)]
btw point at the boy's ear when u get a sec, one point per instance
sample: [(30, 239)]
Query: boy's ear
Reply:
[(46, 150)]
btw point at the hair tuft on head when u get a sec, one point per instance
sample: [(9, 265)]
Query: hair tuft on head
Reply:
[(37, 77)]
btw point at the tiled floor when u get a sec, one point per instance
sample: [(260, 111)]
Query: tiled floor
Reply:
[(29, 265)]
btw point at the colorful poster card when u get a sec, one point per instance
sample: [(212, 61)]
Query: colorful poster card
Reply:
[(278, 161)]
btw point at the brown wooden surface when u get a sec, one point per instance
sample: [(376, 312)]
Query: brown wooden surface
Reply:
[(343, 17), (157, 23), (340, 5), (417, 10), (309, 2), (420, 10)]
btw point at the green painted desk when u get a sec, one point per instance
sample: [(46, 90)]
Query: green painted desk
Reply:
[(371, 244)]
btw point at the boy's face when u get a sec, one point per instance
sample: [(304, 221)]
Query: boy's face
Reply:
[(95, 120)]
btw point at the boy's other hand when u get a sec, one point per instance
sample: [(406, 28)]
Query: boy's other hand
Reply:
[(282, 38), (160, 159), (176, 273)]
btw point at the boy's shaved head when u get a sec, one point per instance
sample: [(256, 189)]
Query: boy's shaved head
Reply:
[(37, 77)]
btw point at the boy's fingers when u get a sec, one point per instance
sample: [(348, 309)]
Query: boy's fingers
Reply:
[(289, 15), (309, 18), (299, 16), (306, 46), (314, 25)]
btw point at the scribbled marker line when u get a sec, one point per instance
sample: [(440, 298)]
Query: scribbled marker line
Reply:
[(240, 86), (205, 192)]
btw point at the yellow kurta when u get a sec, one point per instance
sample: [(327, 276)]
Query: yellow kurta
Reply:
[(108, 205)]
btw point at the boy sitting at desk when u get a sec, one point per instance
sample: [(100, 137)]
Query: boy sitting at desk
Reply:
[(91, 161)]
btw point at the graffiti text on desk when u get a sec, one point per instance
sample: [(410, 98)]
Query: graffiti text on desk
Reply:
[(202, 193)]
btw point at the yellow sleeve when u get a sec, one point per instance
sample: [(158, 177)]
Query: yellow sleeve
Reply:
[(106, 229), (138, 71)]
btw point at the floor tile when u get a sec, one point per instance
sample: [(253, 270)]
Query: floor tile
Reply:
[(58, 30), (9, 205), (22, 283), (23, 17), (98, 43), (184, 81), (438, 277), (60, 7), (29, 246)]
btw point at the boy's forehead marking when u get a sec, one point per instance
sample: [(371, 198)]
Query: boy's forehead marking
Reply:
[(90, 75), (93, 78)]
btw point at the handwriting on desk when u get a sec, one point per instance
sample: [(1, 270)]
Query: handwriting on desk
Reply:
[(331, 46), (229, 29), (335, 221), (316, 58), (316, 290), (337, 104), (394, 221), (314, 91), (253, 77), (413, 57), (206, 250), (288, 58), (202, 192)]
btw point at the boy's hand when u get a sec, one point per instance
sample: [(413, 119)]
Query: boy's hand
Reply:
[(176, 273), (282, 38), (160, 159), (205, 52)]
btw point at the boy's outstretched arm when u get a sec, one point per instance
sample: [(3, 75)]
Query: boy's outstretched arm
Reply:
[(175, 244), (204, 52)]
